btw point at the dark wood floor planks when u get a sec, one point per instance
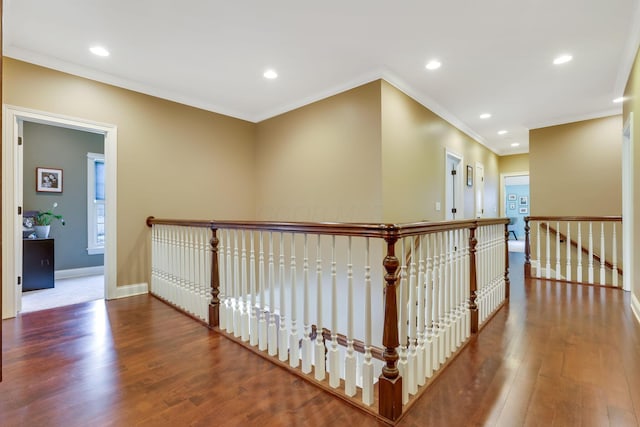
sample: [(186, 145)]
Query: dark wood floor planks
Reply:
[(557, 354)]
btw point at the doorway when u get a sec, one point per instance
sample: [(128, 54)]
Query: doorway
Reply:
[(454, 201), (14, 118), (61, 268), (479, 193)]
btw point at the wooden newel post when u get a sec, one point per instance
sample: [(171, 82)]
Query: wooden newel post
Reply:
[(507, 282), (214, 305), (473, 282), (527, 249), (390, 382)]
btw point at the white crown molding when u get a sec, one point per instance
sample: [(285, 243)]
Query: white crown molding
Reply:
[(91, 74), (88, 73), (578, 118), (629, 53)]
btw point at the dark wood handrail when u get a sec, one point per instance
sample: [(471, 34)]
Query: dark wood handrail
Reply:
[(335, 228), (574, 218)]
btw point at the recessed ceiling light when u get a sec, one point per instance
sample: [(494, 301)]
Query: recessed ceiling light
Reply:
[(433, 64), (618, 100), (270, 74), (562, 59), (502, 132), (485, 115), (99, 50), (515, 144)]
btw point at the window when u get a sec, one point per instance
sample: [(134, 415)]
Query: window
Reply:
[(95, 203)]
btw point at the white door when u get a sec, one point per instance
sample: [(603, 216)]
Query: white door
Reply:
[(20, 203), (453, 187), (479, 190)]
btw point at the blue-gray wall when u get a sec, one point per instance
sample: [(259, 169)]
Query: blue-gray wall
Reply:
[(61, 148), (513, 207)]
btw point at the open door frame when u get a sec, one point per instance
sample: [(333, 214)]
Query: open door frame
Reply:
[(12, 221)]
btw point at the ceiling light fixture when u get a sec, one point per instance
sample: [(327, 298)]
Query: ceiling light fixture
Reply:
[(99, 51), (485, 115), (502, 132), (618, 100), (270, 74), (515, 144), (562, 59), (433, 64)]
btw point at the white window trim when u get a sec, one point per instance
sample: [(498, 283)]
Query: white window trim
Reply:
[(92, 246)]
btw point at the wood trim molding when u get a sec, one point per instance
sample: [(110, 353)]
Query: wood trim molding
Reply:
[(635, 306)]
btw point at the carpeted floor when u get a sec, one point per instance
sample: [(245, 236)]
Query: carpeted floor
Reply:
[(65, 292)]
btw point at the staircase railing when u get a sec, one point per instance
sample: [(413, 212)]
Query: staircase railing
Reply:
[(574, 249), (394, 302)]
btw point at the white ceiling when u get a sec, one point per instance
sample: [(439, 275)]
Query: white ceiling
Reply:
[(496, 54)]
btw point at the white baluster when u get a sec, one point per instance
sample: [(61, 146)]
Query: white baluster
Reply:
[(223, 293), (230, 285), (272, 330), (246, 304), (441, 313), (294, 346), (367, 365), (238, 308), (558, 276), (568, 243), (538, 259), (350, 359), (420, 362), (402, 320), (579, 254), (411, 312), (262, 321), (307, 345), (320, 369), (603, 258), (614, 248), (283, 338), (548, 254), (590, 268), (252, 281), (334, 355), (428, 304)]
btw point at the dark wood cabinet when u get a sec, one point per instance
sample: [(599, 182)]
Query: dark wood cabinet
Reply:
[(38, 266)]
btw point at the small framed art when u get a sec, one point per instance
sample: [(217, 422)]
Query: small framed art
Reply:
[(49, 180)]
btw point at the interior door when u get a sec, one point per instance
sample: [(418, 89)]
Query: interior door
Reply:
[(453, 187), (479, 183)]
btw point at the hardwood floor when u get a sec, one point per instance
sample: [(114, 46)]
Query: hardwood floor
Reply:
[(557, 354)]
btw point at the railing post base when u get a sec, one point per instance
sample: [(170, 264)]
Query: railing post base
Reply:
[(390, 399)]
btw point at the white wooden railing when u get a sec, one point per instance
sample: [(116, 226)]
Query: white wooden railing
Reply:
[(333, 301), (574, 249)]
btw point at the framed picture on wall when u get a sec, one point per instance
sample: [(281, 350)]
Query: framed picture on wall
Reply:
[(512, 197), (469, 176), (524, 200), (523, 210), (49, 180), (512, 206)]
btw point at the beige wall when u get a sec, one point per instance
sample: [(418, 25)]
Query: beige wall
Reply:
[(632, 104), (575, 169), (414, 144), (513, 163), (173, 160), (322, 162)]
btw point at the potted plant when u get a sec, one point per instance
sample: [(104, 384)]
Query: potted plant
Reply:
[(42, 222)]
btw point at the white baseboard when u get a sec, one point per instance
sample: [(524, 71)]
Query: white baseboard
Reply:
[(131, 290), (635, 306), (79, 272)]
